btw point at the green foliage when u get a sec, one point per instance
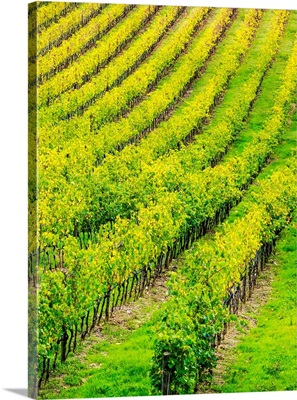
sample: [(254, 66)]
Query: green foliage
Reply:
[(106, 369), (66, 294), (102, 223), (98, 198), (196, 313)]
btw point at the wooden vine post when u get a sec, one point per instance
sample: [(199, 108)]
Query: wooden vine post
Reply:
[(165, 374)]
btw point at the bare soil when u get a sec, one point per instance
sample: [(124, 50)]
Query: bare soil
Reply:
[(131, 315)]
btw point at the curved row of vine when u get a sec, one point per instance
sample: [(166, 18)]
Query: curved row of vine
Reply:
[(119, 98), (132, 162), (64, 28), (214, 273), (60, 57), (111, 182), (92, 61), (48, 13), (121, 177)]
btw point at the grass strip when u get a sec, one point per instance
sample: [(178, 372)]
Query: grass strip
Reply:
[(265, 359)]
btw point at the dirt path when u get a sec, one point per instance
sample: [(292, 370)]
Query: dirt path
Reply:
[(132, 315), (247, 319), (129, 316), (124, 320)]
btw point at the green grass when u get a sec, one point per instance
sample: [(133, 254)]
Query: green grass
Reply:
[(116, 363), (266, 357), (117, 374), (264, 102), (118, 366)]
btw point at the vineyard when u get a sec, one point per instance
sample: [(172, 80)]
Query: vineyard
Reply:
[(148, 127)]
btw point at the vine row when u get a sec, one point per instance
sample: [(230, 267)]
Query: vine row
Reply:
[(46, 15), (63, 30), (216, 275), (226, 70), (69, 51), (98, 57), (106, 107)]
